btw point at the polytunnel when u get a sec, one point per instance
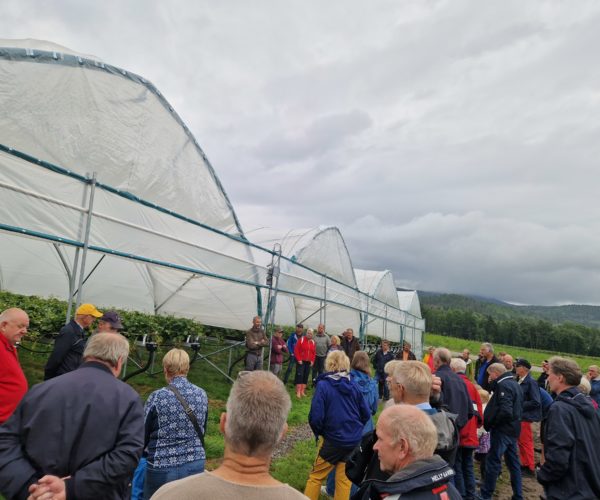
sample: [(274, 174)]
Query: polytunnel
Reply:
[(330, 294), (104, 188), (380, 285), (415, 324), (108, 197)]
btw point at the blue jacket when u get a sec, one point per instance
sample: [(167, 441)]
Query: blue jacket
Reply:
[(368, 388), (379, 361), (291, 343), (532, 400), (595, 392), (571, 437), (338, 411), (505, 408)]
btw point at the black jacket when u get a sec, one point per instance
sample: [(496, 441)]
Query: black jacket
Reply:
[(424, 479), (68, 351), (532, 400), (350, 347), (455, 395), (505, 408), (379, 361), (86, 424), (571, 448)]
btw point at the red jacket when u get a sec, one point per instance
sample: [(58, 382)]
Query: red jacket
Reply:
[(468, 434), (305, 350), (13, 384)]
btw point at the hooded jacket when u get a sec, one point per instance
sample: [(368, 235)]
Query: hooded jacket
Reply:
[(571, 437), (368, 388), (424, 479), (338, 411), (505, 408)]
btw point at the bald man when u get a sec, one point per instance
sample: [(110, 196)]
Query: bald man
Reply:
[(13, 384)]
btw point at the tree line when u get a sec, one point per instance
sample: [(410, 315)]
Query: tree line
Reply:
[(523, 332)]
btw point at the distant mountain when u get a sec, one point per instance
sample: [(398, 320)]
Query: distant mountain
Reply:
[(497, 309)]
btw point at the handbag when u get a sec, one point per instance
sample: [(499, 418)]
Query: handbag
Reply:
[(188, 411)]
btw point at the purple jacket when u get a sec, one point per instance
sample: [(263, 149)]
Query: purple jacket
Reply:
[(277, 354)]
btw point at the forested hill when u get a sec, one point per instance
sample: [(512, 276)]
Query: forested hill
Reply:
[(580, 314)]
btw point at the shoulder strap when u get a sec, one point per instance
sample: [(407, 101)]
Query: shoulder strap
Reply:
[(188, 412)]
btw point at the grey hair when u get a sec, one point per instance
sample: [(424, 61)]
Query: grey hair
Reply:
[(567, 368), (585, 386), (443, 355), (458, 365), (498, 368), (413, 425), (257, 410), (107, 347), (488, 346)]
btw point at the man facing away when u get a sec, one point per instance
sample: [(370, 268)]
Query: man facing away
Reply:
[(406, 441), (13, 384), (70, 343), (257, 410), (571, 469), (79, 435), (255, 341), (454, 391), (502, 419)]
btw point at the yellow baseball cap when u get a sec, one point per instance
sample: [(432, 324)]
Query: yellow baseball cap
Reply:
[(88, 309)]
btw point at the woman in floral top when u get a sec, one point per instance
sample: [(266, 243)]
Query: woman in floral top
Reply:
[(174, 448)]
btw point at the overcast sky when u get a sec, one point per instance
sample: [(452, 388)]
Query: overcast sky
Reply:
[(455, 143)]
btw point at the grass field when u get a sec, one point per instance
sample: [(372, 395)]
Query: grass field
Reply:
[(535, 357)]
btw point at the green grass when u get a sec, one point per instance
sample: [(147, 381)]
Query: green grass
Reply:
[(294, 468), (534, 356)]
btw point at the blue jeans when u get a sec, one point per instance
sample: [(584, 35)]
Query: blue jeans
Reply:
[(157, 476), (465, 476), (501, 444)]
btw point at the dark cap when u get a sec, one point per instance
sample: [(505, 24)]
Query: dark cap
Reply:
[(113, 319), (299, 325), (523, 362)]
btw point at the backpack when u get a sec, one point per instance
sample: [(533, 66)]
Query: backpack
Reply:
[(448, 435)]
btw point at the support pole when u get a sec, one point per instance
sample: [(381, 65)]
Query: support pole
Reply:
[(86, 240)]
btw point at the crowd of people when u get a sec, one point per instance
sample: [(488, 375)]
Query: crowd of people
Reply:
[(83, 433)]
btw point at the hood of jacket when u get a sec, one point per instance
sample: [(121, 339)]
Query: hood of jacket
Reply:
[(362, 379), (582, 403), (340, 380)]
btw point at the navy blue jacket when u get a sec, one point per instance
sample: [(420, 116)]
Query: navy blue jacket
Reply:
[(571, 437), (379, 361), (86, 424), (421, 480), (595, 392), (532, 400), (67, 352), (504, 411), (291, 343), (455, 395), (338, 411)]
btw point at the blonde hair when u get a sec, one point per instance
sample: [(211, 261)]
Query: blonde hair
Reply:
[(390, 365), (176, 362), (337, 361), (585, 386), (336, 338), (415, 376), (485, 395)]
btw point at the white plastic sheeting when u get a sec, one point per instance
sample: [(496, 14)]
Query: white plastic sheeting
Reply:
[(415, 326), (161, 235), (307, 250)]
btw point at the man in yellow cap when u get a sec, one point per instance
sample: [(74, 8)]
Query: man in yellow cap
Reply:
[(70, 343)]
